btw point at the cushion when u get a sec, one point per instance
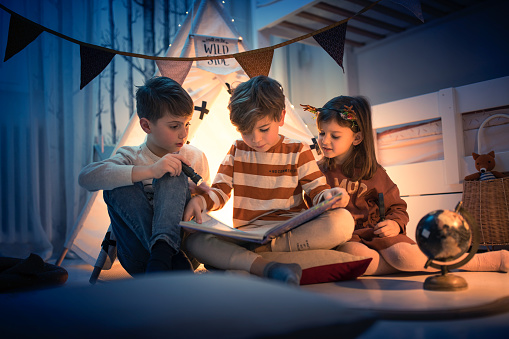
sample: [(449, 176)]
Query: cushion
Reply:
[(322, 266)]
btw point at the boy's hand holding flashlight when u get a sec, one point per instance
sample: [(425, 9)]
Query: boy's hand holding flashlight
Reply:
[(200, 186)]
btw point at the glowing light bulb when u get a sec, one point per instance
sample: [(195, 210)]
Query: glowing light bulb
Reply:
[(233, 20)]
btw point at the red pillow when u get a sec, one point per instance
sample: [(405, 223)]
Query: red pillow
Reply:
[(334, 272), (322, 266)]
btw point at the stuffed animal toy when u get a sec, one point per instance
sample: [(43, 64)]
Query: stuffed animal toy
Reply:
[(484, 163)]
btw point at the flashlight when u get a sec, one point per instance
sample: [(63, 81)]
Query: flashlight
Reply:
[(195, 177)]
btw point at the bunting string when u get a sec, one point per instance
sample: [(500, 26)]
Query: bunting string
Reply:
[(212, 57), (94, 58)]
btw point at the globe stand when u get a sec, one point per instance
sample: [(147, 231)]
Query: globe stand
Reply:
[(447, 281)]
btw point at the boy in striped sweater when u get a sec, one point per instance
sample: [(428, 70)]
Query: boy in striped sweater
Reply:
[(268, 174)]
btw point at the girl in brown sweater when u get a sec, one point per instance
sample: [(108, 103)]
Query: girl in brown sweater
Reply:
[(349, 161)]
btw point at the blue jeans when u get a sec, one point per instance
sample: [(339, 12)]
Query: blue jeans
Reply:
[(137, 224)]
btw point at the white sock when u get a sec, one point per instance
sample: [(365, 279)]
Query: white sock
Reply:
[(494, 261)]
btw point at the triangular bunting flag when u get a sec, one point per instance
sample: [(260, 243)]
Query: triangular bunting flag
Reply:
[(93, 62), (21, 34), (174, 69), (333, 42), (256, 63), (413, 6)]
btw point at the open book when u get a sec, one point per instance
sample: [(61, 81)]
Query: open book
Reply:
[(261, 234)]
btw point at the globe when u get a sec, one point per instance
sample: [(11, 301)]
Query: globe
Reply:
[(443, 235)]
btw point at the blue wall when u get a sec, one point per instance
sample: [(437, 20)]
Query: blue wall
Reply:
[(465, 48)]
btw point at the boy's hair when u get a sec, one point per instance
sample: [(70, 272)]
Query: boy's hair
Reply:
[(161, 96), (255, 99), (362, 162)]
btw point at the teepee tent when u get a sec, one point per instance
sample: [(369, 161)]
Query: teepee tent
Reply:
[(206, 31)]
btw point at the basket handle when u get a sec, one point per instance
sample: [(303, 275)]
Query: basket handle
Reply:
[(484, 123)]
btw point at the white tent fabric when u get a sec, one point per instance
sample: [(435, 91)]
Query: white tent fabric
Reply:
[(213, 134)]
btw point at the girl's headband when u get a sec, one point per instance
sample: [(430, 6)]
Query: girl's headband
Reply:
[(347, 113)]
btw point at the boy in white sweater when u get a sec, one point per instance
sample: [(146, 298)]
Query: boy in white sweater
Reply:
[(144, 186)]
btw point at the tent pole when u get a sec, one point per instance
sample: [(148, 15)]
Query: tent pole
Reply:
[(62, 256)]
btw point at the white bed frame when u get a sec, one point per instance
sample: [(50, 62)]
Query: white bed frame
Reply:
[(433, 185)]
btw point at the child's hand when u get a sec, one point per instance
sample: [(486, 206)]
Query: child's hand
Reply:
[(170, 163), (193, 209), (387, 228), (345, 198), (202, 188)]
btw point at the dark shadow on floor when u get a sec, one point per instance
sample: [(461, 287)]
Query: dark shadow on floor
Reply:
[(382, 285)]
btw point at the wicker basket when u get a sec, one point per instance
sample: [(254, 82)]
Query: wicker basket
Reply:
[(488, 203)]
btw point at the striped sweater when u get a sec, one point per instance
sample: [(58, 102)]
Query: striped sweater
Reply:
[(487, 175), (267, 185)]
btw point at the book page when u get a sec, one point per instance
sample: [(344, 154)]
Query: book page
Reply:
[(259, 233), (214, 226), (302, 217)]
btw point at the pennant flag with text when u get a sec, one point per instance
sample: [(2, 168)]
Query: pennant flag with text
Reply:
[(214, 46), (333, 42), (21, 34), (176, 70), (93, 62), (413, 6), (256, 63)]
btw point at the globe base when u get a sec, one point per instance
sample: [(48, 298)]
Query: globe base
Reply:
[(445, 282)]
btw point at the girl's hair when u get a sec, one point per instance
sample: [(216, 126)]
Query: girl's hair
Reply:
[(160, 96), (362, 163), (255, 99)]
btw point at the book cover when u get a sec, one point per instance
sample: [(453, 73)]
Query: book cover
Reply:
[(260, 235)]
